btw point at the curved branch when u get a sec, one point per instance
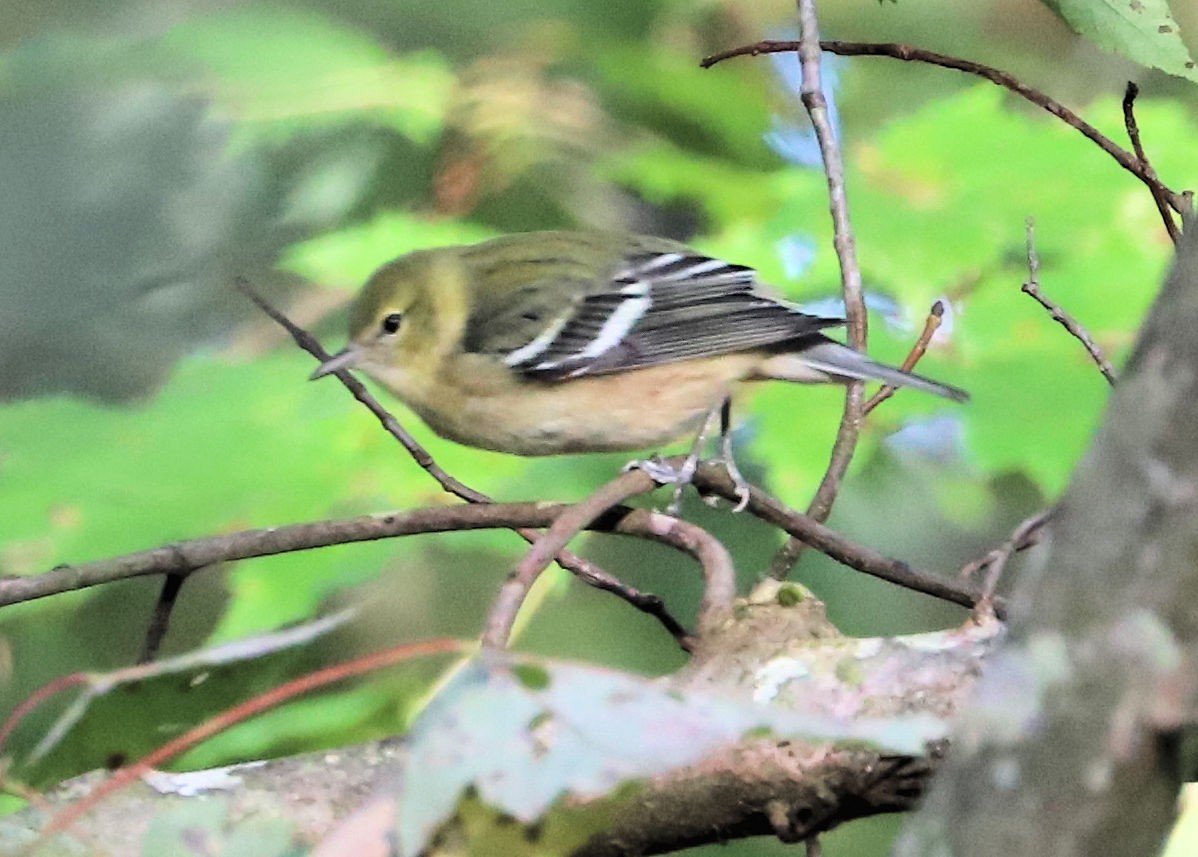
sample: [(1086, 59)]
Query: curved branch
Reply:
[(712, 479), (719, 574), (1133, 134), (1134, 165)]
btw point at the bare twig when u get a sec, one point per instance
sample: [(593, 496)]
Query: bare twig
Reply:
[(161, 619), (930, 326), (501, 618), (419, 454), (35, 699), (187, 556), (812, 94), (1133, 134), (719, 572), (584, 569), (1032, 288), (571, 520), (712, 479), (1179, 202), (1024, 536)]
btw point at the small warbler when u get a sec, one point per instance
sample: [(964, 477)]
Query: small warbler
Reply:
[(561, 342)]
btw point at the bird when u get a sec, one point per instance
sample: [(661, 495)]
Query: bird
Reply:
[(559, 342)]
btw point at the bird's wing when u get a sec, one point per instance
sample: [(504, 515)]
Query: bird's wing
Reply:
[(656, 306)]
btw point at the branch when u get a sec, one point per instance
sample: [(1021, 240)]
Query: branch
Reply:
[(181, 558), (719, 574), (918, 350), (757, 786), (711, 478), (161, 619), (1024, 536), (1180, 203), (1032, 287), (352, 790), (1133, 134), (812, 94)]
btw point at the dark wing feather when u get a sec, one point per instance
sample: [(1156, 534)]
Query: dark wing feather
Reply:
[(663, 307)]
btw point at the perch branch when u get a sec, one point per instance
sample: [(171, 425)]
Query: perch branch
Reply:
[(711, 478), (719, 575)]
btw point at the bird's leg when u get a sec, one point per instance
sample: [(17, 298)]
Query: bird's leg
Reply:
[(728, 459), (681, 476)]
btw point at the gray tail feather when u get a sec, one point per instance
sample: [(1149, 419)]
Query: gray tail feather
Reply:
[(843, 362)]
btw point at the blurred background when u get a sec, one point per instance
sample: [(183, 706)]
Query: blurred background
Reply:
[(151, 152)]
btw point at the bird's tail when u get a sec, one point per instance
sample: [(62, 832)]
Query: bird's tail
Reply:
[(830, 361)]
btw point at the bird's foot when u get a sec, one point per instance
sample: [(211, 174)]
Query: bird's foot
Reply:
[(664, 473), (682, 475)]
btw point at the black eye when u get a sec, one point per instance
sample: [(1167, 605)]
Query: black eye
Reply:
[(391, 323)]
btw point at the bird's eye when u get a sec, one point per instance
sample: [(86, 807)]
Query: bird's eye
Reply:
[(391, 323)]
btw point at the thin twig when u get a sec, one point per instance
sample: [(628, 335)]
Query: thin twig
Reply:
[(1133, 134), (35, 699), (160, 621), (1024, 536), (584, 569), (812, 95), (1028, 533), (419, 454), (719, 572), (1032, 288), (502, 615), (713, 480), (930, 326), (1179, 202)]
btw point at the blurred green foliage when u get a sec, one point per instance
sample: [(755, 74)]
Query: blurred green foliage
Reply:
[(150, 154)]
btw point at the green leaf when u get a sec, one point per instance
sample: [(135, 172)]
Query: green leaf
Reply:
[(1141, 30)]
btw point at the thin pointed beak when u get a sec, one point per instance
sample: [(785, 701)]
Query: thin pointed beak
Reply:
[(343, 359)]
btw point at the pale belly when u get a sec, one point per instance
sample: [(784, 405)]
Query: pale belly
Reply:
[(633, 411)]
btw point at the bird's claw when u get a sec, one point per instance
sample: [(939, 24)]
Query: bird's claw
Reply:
[(740, 485), (664, 473)]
